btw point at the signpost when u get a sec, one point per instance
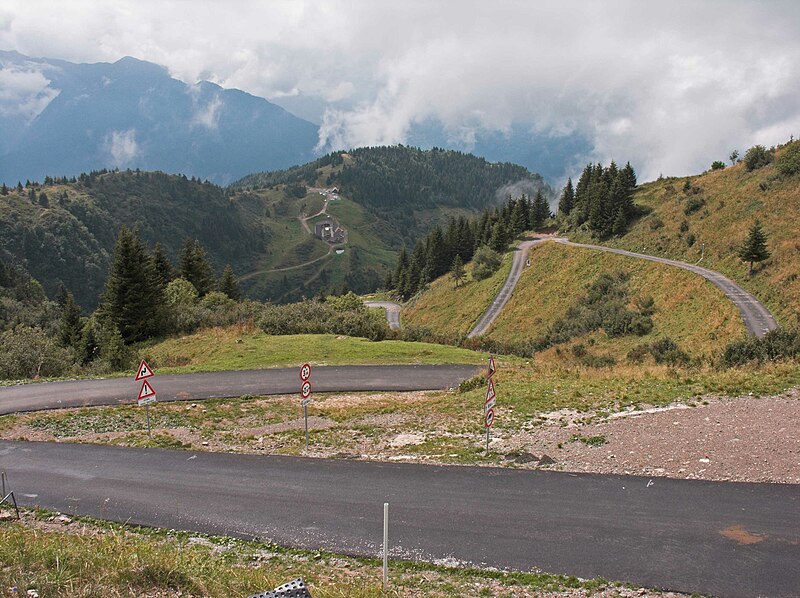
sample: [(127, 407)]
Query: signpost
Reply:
[(305, 394), (147, 394), (490, 402)]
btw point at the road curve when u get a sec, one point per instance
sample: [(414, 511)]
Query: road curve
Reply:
[(756, 316), (517, 266), (207, 385), (725, 539), (392, 311)]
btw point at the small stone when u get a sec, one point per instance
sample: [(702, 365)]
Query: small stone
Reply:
[(63, 519), (705, 460), (317, 556), (546, 460), (527, 458), (32, 594), (204, 443)]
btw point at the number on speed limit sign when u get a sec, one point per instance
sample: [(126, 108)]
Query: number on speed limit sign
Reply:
[(305, 372), (305, 390)]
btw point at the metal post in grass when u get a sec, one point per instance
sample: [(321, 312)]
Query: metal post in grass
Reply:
[(385, 544), (147, 414)]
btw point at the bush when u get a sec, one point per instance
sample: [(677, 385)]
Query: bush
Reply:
[(485, 262), (663, 351), (27, 352), (775, 345), (656, 223), (316, 317), (789, 162), (717, 165), (757, 157), (693, 204)]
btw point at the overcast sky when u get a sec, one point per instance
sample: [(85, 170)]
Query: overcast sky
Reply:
[(670, 86)]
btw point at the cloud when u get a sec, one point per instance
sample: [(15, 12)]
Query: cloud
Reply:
[(121, 147), (669, 86), (206, 115), (24, 93)]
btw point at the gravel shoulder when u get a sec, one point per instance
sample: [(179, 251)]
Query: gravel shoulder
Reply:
[(745, 439)]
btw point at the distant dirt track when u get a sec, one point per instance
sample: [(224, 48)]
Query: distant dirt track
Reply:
[(392, 311)]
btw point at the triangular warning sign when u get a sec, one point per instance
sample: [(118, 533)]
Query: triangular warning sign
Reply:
[(492, 369), (146, 391), (144, 371), (490, 394)]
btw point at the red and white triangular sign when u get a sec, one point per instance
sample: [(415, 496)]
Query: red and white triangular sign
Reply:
[(146, 391), (144, 371), (490, 394), (492, 369)]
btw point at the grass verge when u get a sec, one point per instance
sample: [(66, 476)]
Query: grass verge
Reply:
[(60, 556)]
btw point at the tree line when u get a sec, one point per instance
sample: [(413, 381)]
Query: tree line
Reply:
[(447, 250), (602, 201)]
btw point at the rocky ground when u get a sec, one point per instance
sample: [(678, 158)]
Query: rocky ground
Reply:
[(747, 439)]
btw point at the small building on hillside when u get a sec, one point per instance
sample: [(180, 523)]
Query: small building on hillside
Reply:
[(324, 230)]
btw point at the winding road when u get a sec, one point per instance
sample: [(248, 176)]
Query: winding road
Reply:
[(727, 539), (207, 385), (757, 318), (392, 311)]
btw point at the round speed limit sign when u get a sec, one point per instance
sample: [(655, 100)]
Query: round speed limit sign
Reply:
[(305, 372), (305, 390), (489, 418)]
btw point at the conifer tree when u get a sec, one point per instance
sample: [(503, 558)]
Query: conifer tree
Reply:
[(518, 222), (132, 299), (228, 284), (70, 327), (457, 271), (4, 190), (567, 198), (163, 266), (754, 248), (499, 238), (540, 210), (195, 268)]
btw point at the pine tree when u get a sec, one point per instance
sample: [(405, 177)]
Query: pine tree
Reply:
[(499, 238), (754, 248), (70, 327), (164, 269), (195, 267), (228, 284), (567, 199), (457, 271), (4, 190), (540, 211), (518, 223), (133, 297)]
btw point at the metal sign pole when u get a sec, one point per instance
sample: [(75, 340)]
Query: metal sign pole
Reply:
[(385, 544), (147, 413), (487, 440), (305, 416)]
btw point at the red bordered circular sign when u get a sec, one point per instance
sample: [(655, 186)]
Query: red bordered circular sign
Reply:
[(305, 390), (305, 372)]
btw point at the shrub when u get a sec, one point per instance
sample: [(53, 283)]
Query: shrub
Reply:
[(757, 157), (27, 352), (693, 204), (789, 162), (717, 165), (664, 350), (486, 262), (316, 317), (775, 345), (656, 223)]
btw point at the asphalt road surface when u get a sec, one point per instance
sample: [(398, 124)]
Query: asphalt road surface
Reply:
[(726, 539), (392, 312), (756, 316), (207, 385), (517, 266)]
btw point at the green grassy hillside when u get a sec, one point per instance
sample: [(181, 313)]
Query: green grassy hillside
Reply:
[(715, 212), (688, 309), (454, 311)]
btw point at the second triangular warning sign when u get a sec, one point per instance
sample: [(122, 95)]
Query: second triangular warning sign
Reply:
[(146, 391)]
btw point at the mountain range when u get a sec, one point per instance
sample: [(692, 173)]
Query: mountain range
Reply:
[(60, 118)]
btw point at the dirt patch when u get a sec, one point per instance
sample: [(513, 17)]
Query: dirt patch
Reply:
[(740, 439)]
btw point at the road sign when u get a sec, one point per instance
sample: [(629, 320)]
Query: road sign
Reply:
[(147, 400), (305, 402), (305, 372), (491, 396), (492, 369), (305, 390), (144, 371), (489, 420), (146, 391)]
